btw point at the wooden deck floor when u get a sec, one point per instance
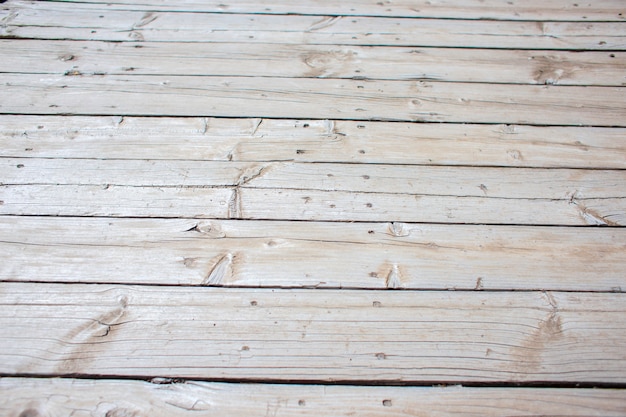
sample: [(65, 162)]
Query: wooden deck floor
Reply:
[(312, 208)]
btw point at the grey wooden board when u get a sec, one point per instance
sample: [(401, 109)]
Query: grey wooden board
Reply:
[(607, 10), (311, 254), (304, 205), (462, 181), (312, 335), (53, 20), (263, 140), (314, 61), (99, 398), (312, 98)]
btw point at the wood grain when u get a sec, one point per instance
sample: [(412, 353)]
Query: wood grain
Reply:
[(461, 181), (264, 140), (311, 254), (314, 61), (305, 335), (312, 98), (608, 10), (54, 20), (100, 398), (304, 205)]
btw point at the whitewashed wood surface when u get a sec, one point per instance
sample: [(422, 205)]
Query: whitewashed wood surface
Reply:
[(311, 254), (315, 61), (89, 398), (608, 10), (219, 139), (292, 208), (311, 335)]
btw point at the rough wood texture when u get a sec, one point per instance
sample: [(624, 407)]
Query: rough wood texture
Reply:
[(282, 254), (607, 10), (314, 61), (313, 98), (53, 20), (323, 335), (82, 398), (307, 205), (254, 192), (263, 140)]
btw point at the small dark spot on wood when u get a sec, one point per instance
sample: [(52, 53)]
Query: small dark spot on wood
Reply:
[(361, 151), (67, 57), (366, 177), (1, 202), (381, 356), (386, 403), (301, 403), (305, 125), (360, 126), (368, 205), (374, 274), (371, 232), (254, 303), (333, 206), (189, 262), (300, 151), (31, 412), (612, 55), (245, 348), (20, 165), (602, 43), (377, 304), (93, 31), (329, 175), (138, 46)]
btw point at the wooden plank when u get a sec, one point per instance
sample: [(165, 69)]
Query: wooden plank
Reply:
[(311, 254), (535, 183), (312, 335), (608, 10), (312, 98), (313, 61), (53, 20), (123, 397), (306, 205), (262, 140)]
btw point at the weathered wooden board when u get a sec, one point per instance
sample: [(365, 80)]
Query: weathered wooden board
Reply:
[(312, 335), (311, 254), (312, 98), (318, 205), (265, 140), (607, 10), (81, 398), (52, 20), (314, 61), (522, 183)]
